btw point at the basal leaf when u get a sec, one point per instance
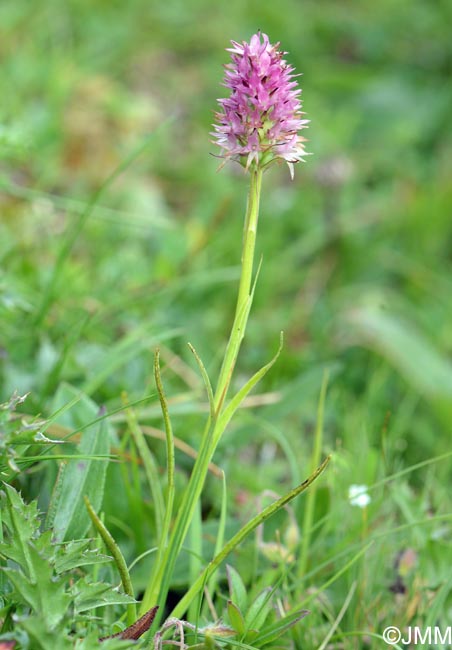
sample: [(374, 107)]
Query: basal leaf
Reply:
[(237, 589), (235, 618)]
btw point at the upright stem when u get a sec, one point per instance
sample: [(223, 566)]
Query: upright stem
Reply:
[(159, 584), (244, 295)]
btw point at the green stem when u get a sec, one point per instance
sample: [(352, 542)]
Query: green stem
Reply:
[(159, 584), (118, 558), (244, 295)]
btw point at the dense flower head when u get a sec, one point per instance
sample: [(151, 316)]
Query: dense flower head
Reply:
[(261, 120)]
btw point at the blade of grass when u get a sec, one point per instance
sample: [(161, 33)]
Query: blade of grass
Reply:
[(357, 633), (195, 559), (339, 617), (169, 453), (150, 468), (138, 340), (163, 532), (310, 497), (333, 578), (212, 584), (206, 380)]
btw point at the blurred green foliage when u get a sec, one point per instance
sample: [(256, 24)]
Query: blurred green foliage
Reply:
[(356, 250), (365, 225)]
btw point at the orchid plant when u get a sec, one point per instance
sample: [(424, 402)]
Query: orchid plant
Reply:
[(257, 125)]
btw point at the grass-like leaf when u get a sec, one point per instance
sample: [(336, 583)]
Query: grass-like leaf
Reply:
[(238, 398), (184, 603), (272, 632)]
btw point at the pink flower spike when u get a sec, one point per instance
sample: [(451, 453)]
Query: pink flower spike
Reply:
[(260, 121)]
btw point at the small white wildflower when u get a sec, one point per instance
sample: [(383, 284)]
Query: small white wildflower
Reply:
[(358, 496)]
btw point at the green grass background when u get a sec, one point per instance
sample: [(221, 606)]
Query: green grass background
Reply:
[(356, 266)]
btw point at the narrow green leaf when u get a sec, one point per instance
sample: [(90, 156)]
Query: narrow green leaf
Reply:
[(220, 533), (274, 631), (181, 607), (169, 451), (259, 610), (308, 519), (195, 558), (206, 380), (150, 469), (235, 402)]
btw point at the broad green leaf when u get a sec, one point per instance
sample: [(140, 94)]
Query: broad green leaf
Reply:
[(236, 618), (81, 477), (237, 590)]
